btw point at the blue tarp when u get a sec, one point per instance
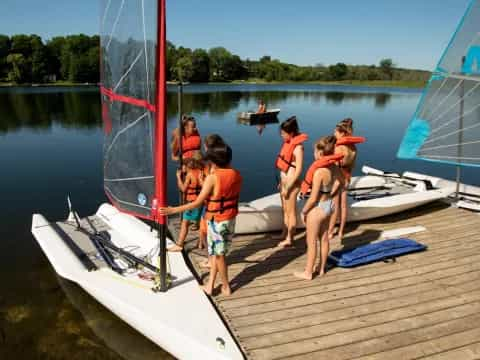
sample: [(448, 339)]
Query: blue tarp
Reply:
[(378, 251)]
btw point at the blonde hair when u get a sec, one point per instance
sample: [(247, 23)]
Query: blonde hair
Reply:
[(345, 126), (195, 162), (326, 145)]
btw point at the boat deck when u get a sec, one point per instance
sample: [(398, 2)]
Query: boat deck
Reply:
[(423, 305)]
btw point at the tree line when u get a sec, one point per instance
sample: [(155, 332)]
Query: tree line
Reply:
[(75, 58), (28, 59)]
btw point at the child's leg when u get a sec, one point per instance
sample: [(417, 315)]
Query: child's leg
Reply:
[(221, 265), (291, 216), (181, 236), (343, 217), (335, 215), (325, 245), (202, 234), (314, 219), (208, 288)]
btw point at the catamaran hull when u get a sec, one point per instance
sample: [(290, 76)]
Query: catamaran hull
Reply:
[(182, 321), (469, 195), (265, 214)]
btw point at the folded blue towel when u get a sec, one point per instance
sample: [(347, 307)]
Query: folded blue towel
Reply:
[(383, 250)]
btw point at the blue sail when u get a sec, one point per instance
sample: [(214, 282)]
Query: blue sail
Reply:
[(446, 125)]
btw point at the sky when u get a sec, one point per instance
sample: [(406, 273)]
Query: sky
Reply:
[(413, 33)]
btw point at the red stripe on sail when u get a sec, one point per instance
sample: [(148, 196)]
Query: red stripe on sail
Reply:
[(113, 96), (161, 117)]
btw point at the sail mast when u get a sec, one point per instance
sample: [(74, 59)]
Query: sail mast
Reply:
[(161, 139), (460, 134)]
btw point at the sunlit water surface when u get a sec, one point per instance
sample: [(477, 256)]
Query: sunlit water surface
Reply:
[(51, 146)]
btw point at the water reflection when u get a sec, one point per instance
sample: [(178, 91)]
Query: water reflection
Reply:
[(81, 108)]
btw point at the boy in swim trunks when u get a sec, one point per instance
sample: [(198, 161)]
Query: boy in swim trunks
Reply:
[(220, 191)]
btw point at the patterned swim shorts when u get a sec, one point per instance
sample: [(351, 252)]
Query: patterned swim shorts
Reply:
[(219, 236)]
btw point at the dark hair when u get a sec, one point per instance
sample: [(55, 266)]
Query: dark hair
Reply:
[(326, 144), (345, 126), (290, 126), (221, 156), (213, 140), (186, 119)]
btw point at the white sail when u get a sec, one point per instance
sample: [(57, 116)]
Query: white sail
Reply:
[(128, 60), (446, 125)]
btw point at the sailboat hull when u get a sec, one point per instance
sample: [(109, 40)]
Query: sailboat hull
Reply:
[(182, 321), (265, 214)]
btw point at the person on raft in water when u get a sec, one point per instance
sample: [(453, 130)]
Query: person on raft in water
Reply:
[(345, 146), (191, 141), (190, 185), (290, 163), (262, 108), (322, 181), (221, 192)]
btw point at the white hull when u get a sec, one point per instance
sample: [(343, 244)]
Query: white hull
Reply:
[(265, 214), (182, 321), (469, 197)]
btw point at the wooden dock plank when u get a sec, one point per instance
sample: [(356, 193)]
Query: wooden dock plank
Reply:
[(424, 305), (466, 346)]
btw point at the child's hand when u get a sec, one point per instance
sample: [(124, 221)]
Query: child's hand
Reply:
[(165, 211), (179, 173)]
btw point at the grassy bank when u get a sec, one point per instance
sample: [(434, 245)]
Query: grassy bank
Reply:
[(374, 83), (58, 83), (367, 83)]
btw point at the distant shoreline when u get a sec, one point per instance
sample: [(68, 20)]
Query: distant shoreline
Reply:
[(373, 84)]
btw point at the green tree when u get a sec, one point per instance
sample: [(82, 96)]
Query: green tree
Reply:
[(201, 66), (338, 71), (54, 51), (21, 44), (386, 66), (18, 72), (219, 58), (184, 69), (4, 51), (39, 59)]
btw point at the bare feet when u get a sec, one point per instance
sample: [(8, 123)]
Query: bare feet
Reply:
[(285, 243), (226, 291), (321, 273), (207, 290), (175, 248), (303, 275)]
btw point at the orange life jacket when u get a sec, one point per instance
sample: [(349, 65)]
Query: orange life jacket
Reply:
[(190, 145), (194, 188), (350, 140), (323, 162), (285, 158), (224, 205)]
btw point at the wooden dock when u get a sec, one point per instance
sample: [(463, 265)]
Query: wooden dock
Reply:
[(424, 305)]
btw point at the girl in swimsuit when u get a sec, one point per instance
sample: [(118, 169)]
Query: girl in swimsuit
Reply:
[(349, 152), (290, 164), (324, 182)]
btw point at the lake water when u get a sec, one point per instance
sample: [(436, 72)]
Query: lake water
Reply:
[(51, 146)]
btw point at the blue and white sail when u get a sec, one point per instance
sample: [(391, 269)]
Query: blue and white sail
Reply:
[(446, 124)]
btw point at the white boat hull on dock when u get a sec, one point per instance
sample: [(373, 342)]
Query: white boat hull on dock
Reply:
[(182, 320)]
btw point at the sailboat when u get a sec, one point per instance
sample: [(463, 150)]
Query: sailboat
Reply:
[(114, 256), (446, 125), (445, 129)]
